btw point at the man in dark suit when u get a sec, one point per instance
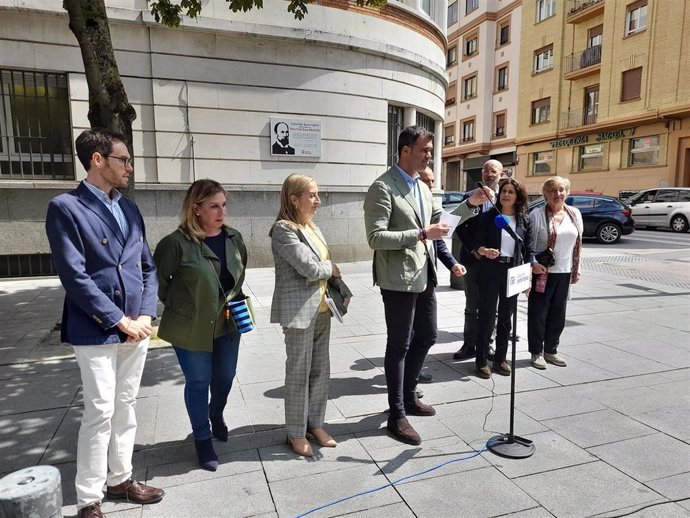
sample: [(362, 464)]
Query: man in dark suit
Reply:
[(282, 146), (443, 254), (467, 232), (402, 222), (99, 249)]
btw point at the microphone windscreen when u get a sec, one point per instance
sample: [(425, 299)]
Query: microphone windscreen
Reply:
[(480, 184), (501, 221)]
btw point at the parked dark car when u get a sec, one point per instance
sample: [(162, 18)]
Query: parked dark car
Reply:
[(451, 199), (605, 217)]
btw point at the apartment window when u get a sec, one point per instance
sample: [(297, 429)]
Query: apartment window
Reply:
[(503, 33), (449, 135), (452, 13), (452, 56), (469, 87), (502, 78), (395, 127), (543, 59), (545, 9), (632, 84), (468, 130), (541, 162), (636, 17), (471, 45), (35, 130), (591, 157), (471, 5), (541, 110), (451, 93), (500, 124), (644, 151), (595, 36)]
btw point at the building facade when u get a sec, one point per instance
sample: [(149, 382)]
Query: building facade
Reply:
[(605, 94), (482, 100), (210, 98)]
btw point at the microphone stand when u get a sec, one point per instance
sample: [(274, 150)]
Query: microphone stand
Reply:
[(508, 444)]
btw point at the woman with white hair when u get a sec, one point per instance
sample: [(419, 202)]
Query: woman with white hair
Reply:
[(556, 240)]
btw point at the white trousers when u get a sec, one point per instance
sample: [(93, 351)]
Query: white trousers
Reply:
[(110, 376)]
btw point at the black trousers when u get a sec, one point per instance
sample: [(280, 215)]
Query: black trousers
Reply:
[(546, 314), (412, 330), (492, 285)]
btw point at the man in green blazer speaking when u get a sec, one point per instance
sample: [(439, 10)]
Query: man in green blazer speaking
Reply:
[(401, 222)]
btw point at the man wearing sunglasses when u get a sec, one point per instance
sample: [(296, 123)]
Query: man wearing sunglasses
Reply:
[(99, 249)]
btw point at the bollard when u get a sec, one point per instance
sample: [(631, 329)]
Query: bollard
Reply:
[(33, 492)]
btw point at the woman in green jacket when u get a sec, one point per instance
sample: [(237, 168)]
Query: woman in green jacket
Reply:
[(201, 267)]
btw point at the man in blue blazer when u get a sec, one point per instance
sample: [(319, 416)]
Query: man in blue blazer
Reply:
[(99, 249), (402, 222)]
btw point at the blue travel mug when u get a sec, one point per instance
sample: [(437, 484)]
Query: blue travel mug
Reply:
[(239, 309)]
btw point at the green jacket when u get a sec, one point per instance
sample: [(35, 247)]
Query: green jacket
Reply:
[(188, 282), (392, 221)]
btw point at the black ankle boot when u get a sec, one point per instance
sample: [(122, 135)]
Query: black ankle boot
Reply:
[(208, 459), (219, 429)]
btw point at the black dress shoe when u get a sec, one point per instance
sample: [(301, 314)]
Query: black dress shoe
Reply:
[(402, 430), (464, 353), (420, 409), (425, 378)]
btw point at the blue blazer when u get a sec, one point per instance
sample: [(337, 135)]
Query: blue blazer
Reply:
[(105, 276)]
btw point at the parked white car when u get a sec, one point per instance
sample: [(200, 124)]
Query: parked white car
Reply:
[(663, 207)]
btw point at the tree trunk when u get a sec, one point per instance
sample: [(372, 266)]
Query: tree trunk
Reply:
[(108, 104)]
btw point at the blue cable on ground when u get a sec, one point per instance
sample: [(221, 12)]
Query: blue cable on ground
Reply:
[(392, 483)]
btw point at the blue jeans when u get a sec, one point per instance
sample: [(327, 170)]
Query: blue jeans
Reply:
[(204, 370)]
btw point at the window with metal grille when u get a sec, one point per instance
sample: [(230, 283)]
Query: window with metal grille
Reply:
[(395, 127), (35, 128), (26, 265)]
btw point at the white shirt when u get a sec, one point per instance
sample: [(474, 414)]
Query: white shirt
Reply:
[(566, 234), (507, 242)]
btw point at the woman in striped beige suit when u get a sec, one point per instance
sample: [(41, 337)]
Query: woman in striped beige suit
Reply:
[(303, 268)]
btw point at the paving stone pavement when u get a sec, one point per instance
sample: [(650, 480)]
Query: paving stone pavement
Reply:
[(612, 430)]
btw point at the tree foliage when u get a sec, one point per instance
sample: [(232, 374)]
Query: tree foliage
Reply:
[(168, 12)]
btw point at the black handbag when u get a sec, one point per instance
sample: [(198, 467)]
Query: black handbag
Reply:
[(546, 258)]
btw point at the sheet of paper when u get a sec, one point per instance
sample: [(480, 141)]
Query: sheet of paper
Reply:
[(334, 309), (451, 219)]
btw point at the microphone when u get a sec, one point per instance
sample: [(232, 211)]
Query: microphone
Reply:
[(481, 185), (503, 223)]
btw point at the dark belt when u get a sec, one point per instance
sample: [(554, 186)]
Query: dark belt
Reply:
[(504, 259)]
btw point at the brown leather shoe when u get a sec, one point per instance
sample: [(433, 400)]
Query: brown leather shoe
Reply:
[(133, 491), (484, 372), (91, 511), (419, 408), (502, 368), (403, 431)]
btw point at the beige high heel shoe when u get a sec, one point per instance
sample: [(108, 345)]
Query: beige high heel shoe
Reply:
[(322, 437), (301, 446)]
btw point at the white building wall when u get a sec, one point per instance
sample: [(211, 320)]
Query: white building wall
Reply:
[(205, 93)]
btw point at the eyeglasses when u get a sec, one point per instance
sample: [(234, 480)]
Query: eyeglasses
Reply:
[(125, 161)]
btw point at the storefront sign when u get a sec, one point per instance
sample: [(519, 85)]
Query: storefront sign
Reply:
[(614, 134), (602, 136), (567, 142)]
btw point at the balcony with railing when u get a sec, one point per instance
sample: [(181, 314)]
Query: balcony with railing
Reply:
[(579, 11), (576, 118), (583, 63)]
